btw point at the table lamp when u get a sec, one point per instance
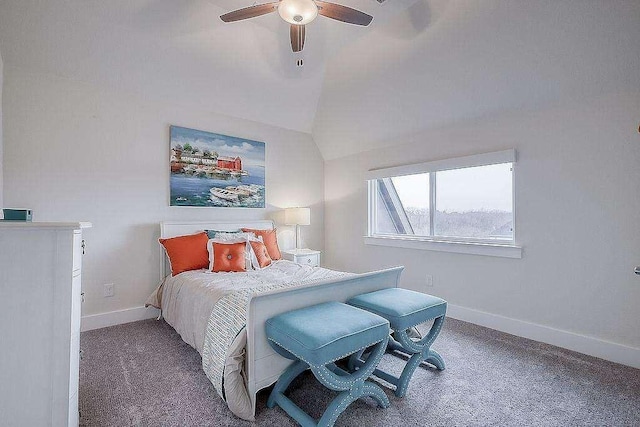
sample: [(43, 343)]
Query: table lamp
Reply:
[(297, 217)]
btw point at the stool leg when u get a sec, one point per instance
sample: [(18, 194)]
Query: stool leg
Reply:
[(347, 382), (432, 356), (355, 357), (419, 351), (337, 407), (407, 373), (352, 387), (374, 391), (434, 332), (295, 369), (435, 359), (422, 352), (423, 346), (346, 398)]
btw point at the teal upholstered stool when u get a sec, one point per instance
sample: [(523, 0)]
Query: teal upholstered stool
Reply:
[(404, 309), (317, 336)]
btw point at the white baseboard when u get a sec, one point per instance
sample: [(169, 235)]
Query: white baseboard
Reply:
[(112, 318), (607, 350)]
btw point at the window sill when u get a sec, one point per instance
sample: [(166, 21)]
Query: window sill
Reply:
[(487, 249)]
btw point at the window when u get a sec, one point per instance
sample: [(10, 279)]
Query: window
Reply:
[(467, 200)]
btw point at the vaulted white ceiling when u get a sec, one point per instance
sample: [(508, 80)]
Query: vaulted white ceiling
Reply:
[(421, 64), (444, 63), (180, 50)]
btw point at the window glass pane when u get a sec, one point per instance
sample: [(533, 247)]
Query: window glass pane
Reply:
[(402, 205), (475, 202), (385, 212)]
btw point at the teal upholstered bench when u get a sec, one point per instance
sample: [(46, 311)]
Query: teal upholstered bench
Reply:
[(404, 309), (315, 337)]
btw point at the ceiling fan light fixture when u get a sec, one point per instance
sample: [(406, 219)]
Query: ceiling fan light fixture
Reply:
[(298, 12)]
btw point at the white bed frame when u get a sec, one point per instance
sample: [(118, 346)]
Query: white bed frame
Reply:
[(263, 365)]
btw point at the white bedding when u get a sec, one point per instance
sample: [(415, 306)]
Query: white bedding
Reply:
[(188, 302)]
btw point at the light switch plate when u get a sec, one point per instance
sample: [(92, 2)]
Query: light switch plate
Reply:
[(428, 281), (108, 290)]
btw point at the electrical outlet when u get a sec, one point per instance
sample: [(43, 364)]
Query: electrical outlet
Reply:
[(107, 290), (428, 281)]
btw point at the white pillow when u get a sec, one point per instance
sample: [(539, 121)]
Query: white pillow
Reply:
[(254, 258)]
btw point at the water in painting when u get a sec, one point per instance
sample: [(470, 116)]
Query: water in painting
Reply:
[(209, 169)]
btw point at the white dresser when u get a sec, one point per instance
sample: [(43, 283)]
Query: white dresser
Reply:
[(40, 298)]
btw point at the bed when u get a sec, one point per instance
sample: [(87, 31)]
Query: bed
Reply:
[(222, 315)]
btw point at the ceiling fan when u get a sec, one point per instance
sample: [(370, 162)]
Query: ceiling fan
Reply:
[(299, 13)]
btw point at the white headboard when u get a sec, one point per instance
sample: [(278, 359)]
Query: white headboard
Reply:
[(180, 228)]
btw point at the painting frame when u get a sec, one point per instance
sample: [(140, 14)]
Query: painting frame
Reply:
[(209, 169)]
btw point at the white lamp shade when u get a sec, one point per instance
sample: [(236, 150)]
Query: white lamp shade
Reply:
[(298, 12), (297, 216)]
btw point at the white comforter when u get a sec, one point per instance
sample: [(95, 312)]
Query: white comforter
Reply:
[(188, 301)]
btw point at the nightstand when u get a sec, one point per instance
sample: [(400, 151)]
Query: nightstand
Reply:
[(303, 256)]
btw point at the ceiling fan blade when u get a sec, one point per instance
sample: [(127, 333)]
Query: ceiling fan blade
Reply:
[(297, 37), (343, 13), (249, 12)]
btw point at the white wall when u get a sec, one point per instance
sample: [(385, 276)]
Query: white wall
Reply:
[(558, 81), (578, 210), (68, 155)]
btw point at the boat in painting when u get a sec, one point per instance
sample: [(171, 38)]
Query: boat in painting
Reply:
[(223, 193), (239, 191), (252, 189)]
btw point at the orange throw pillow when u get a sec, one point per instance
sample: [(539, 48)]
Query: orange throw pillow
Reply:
[(187, 252), (229, 257), (262, 254), (270, 241)]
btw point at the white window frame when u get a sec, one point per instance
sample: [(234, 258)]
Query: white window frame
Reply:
[(490, 247)]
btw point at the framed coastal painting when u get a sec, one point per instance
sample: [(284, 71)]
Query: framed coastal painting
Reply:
[(213, 170)]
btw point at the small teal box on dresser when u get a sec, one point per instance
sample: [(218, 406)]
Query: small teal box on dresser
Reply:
[(17, 214)]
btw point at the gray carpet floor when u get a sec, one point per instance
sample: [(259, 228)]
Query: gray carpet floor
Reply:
[(143, 374)]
